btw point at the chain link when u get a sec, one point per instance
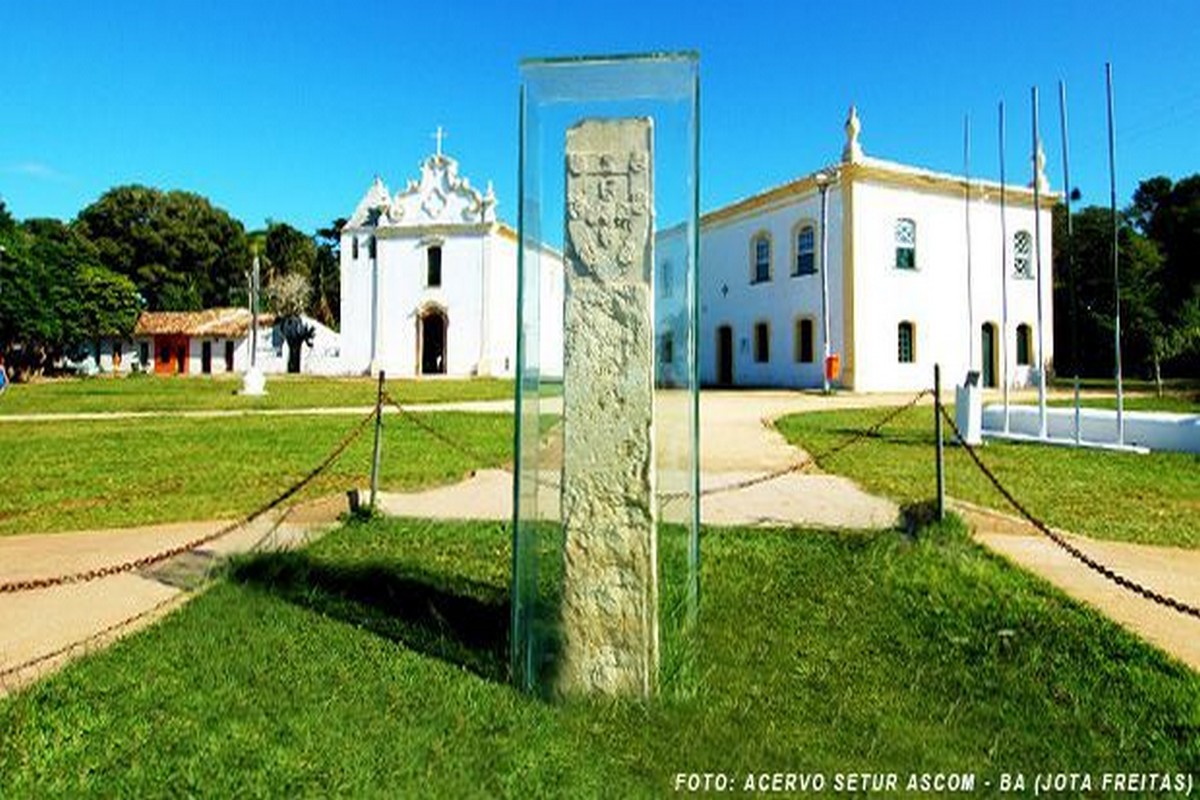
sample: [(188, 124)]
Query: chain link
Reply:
[(1072, 550), (30, 584)]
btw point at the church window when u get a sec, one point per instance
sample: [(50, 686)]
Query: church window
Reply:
[(1024, 345), (433, 266), (905, 337), (371, 247), (1022, 255), (354, 248), (906, 244), (806, 257), (762, 342), (804, 341), (760, 253)]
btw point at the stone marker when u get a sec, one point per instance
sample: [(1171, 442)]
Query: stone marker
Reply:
[(610, 596)]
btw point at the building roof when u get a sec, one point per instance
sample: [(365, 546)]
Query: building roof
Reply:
[(222, 322)]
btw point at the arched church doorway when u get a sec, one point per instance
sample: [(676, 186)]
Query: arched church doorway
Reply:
[(431, 341)]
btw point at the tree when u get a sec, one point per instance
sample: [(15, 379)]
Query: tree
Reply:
[(287, 251), (180, 251), (327, 275), (1141, 293), (56, 297), (289, 296), (1169, 214)]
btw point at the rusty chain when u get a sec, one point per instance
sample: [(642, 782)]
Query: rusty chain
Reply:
[(86, 576), (1089, 562)]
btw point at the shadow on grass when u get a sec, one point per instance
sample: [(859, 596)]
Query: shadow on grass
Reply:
[(457, 620)]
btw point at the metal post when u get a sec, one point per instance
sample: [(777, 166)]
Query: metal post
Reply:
[(941, 447), (967, 214), (255, 287), (1066, 150), (378, 441), (1112, 185), (1003, 269), (1037, 248), (823, 183)]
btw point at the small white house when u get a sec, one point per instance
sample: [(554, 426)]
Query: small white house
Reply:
[(429, 281), (211, 342), (904, 292)]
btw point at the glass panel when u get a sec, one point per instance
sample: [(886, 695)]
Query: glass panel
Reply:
[(614, 209)]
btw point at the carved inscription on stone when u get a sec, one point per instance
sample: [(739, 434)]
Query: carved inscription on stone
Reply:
[(609, 607)]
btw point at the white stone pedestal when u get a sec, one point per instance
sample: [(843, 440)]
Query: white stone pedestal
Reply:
[(254, 382)]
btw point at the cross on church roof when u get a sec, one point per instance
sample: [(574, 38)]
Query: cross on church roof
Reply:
[(439, 134)]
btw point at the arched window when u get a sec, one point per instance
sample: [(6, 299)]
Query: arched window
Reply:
[(1022, 255), (906, 340), (760, 258), (1024, 345), (433, 266), (804, 340), (806, 250), (354, 248), (371, 247), (906, 244)]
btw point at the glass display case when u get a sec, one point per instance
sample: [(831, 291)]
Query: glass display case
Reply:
[(605, 578)]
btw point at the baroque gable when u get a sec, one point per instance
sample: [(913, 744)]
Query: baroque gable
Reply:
[(439, 197)]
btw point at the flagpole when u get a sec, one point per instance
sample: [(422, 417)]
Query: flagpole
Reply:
[(1112, 185), (1066, 149), (1037, 247), (1003, 265), (967, 216)]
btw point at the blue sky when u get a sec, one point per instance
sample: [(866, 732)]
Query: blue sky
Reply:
[(287, 110)]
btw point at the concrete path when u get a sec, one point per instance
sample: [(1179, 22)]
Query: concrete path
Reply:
[(1171, 571), (64, 621)]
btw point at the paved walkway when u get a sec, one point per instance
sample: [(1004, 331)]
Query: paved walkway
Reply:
[(738, 441)]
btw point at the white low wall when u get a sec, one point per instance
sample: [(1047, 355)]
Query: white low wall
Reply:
[(1157, 430)]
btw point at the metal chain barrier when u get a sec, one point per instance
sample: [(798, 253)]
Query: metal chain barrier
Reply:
[(668, 497), (1072, 550), (29, 584)]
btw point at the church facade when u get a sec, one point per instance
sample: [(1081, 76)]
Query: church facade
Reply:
[(905, 291), (429, 280)]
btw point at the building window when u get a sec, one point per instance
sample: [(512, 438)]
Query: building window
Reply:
[(804, 341), (760, 251), (806, 253), (1022, 255), (371, 247), (906, 244), (354, 248), (1024, 345), (668, 279), (667, 348), (905, 337), (433, 266), (762, 342), (144, 355)]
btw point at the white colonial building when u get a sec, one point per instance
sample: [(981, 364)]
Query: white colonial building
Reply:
[(429, 280), (903, 291)]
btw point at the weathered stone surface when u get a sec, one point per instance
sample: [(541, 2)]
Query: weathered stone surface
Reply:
[(609, 608)]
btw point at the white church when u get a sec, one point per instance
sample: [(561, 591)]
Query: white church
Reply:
[(429, 280)]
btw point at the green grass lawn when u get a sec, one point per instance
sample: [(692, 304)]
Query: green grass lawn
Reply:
[(182, 393), (1153, 498), (374, 664), (120, 473)]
